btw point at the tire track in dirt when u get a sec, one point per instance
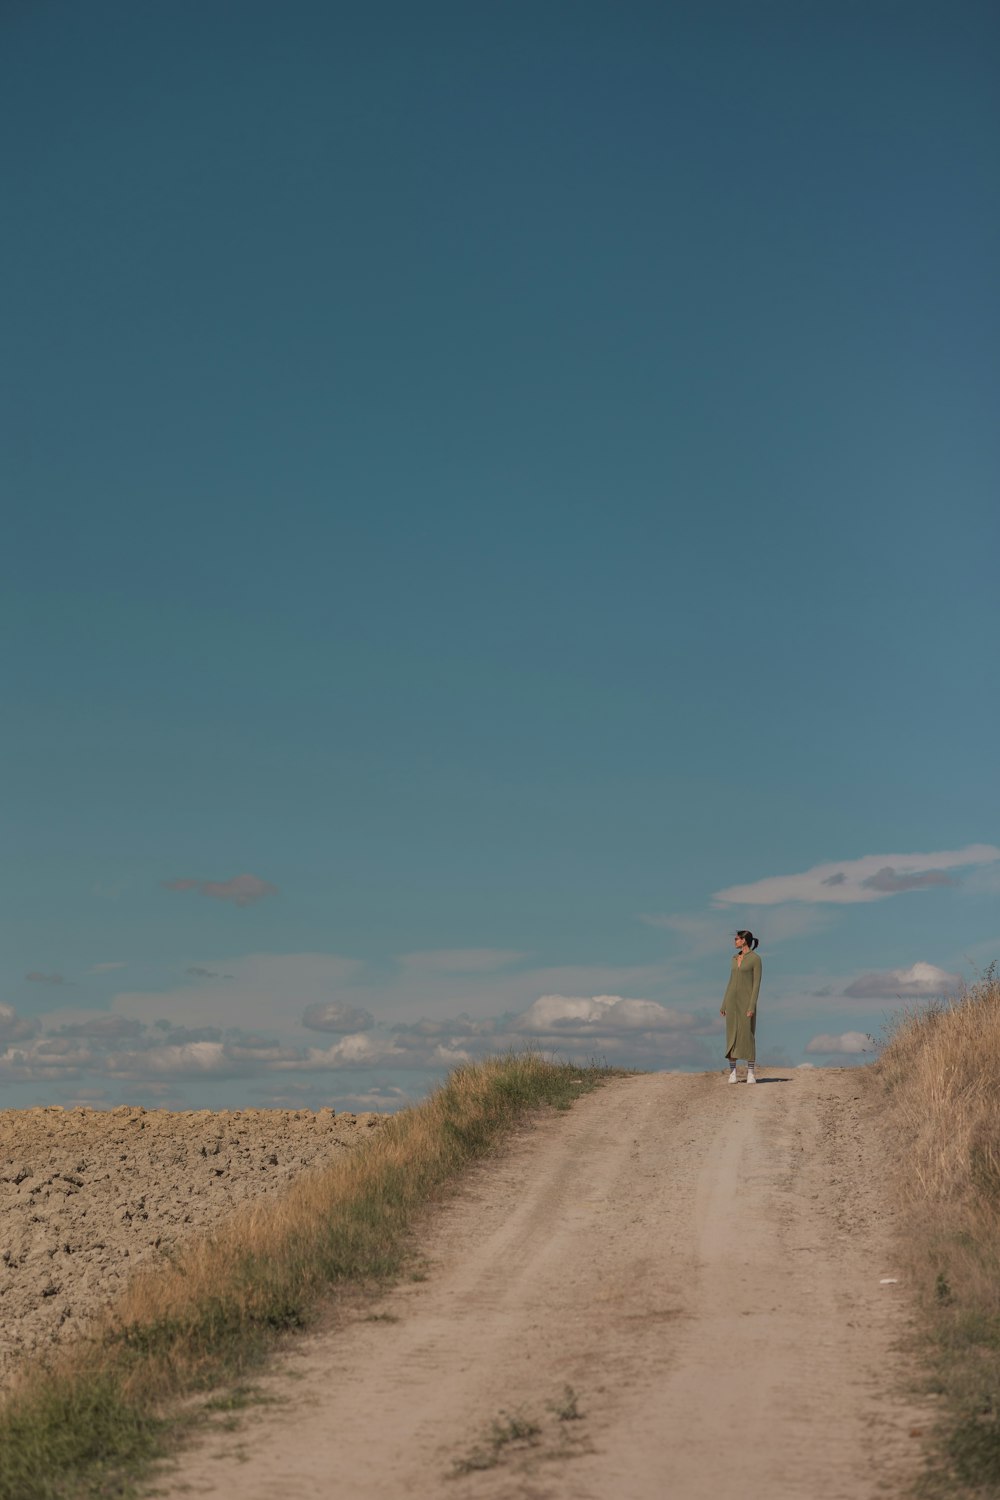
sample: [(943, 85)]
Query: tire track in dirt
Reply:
[(700, 1264)]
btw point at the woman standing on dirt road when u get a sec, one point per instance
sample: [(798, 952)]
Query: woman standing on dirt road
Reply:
[(739, 1005)]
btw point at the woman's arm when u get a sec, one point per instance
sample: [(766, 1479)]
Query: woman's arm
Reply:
[(757, 971)]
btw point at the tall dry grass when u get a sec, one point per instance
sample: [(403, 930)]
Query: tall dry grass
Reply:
[(941, 1069), (105, 1407)]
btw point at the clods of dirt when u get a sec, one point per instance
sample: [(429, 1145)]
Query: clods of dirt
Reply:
[(87, 1195)]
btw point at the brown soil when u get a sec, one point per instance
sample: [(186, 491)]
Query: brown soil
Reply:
[(684, 1286), (86, 1196)]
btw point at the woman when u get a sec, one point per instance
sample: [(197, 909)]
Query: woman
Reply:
[(739, 1006)]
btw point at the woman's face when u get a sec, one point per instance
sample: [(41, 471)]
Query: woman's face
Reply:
[(741, 946)]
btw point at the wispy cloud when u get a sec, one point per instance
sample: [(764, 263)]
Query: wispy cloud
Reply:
[(106, 1025), (337, 1017), (712, 932), (847, 1044), (872, 878), (451, 1026), (700, 933), (889, 882), (264, 990), (461, 960), (35, 977), (242, 890), (105, 968), (983, 882), (15, 1028), (919, 981)]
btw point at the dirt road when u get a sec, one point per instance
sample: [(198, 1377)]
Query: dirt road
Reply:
[(678, 1283)]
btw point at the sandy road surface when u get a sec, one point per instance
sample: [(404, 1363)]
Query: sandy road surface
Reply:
[(700, 1263)]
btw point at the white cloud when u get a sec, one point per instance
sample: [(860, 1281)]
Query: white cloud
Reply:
[(871, 878), (197, 1058), (45, 1058), (234, 1056), (632, 1032), (524, 987), (366, 1050), (242, 890), (35, 977), (919, 981), (848, 1043), (603, 1015)]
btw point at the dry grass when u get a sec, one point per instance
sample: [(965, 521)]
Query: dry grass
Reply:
[(941, 1067), (105, 1407)]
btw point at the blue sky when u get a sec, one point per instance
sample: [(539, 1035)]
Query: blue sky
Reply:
[(490, 490)]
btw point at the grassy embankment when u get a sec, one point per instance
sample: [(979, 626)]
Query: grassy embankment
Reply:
[(941, 1067), (101, 1411)]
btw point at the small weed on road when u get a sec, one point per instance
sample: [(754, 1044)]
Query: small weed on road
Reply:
[(567, 1410), (513, 1433), (505, 1430)]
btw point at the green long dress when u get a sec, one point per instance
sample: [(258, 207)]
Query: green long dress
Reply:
[(741, 996)]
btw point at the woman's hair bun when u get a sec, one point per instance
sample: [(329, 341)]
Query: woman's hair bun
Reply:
[(748, 938)]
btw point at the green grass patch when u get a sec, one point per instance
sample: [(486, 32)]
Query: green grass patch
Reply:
[(67, 1435), (87, 1425)]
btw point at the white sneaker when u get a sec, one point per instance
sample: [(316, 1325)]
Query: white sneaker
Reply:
[(732, 1077), (750, 1077)]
